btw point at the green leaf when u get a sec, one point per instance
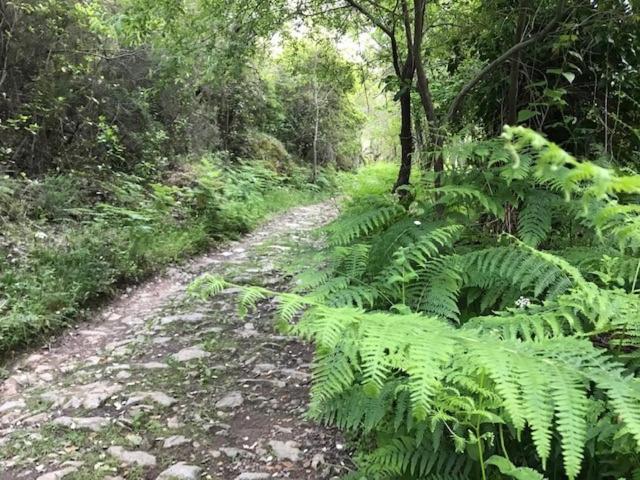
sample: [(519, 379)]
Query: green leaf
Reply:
[(509, 469), (524, 115), (570, 76)]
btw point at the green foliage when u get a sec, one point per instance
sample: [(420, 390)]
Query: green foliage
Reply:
[(453, 349), (63, 246), (313, 84)]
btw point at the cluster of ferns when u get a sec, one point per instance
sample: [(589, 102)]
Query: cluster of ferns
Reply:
[(489, 330)]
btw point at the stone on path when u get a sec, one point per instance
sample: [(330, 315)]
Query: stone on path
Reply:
[(142, 459), (232, 452), (231, 400), (12, 405), (153, 366), (186, 318), (296, 374), (188, 354), (58, 474), (253, 476), (160, 398), (90, 396), (181, 471), (261, 368), (123, 375), (36, 418), (175, 441), (174, 422), (72, 467), (94, 424), (285, 450)]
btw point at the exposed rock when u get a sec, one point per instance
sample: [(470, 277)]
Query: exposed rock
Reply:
[(248, 330), (160, 398), (253, 476), (285, 450), (181, 471), (12, 405), (94, 424), (175, 441), (10, 387), (68, 469), (174, 422), (185, 318), (295, 374), (153, 366), (89, 396), (275, 383), (232, 452), (188, 354), (36, 419), (123, 375), (317, 460), (231, 400), (58, 474), (261, 368), (133, 439), (142, 459)]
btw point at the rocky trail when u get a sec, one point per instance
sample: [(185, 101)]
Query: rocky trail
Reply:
[(161, 386)]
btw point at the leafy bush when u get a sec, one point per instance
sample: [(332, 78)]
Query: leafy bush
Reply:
[(489, 329)]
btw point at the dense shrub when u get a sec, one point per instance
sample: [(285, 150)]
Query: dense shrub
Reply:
[(487, 330)]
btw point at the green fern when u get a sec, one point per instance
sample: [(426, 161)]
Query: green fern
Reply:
[(502, 350)]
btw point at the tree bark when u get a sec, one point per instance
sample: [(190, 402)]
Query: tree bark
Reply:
[(514, 73), (406, 141), (316, 129)]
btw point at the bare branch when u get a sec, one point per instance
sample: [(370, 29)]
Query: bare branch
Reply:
[(376, 21)]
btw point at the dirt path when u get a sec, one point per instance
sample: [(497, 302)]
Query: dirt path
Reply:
[(160, 386)]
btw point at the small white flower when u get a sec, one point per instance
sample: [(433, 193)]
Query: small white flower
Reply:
[(523, 302), (41, 235), (417, 222)]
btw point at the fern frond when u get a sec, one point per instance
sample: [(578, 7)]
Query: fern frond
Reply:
[(456, 194), (363, 222), (436, 290), (404, 455), (207, 286), (534, 220), (249, 297)]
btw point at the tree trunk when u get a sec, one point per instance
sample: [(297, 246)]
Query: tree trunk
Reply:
[(316, 131), (418, 135), (406, 141), (514, 73)]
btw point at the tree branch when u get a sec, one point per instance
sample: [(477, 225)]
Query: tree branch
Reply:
[(376, 21), (457, 102), (389, 31)]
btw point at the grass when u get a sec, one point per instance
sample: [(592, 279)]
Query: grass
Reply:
[(62, 250)]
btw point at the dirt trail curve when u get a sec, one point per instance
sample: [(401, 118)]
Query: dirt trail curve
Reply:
[(160, 386)]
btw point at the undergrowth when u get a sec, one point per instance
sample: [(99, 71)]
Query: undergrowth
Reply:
[(69, 240), (488, 330)]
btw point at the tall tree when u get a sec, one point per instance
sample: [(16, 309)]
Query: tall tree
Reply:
[(405, 23)]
